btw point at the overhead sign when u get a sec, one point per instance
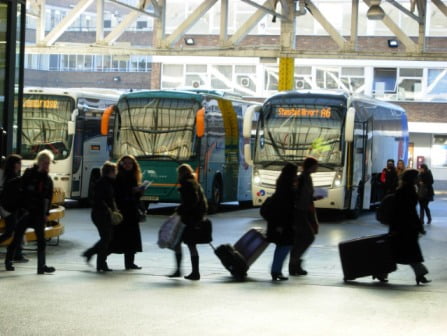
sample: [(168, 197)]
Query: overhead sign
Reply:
[(41, 103), (304, 112)]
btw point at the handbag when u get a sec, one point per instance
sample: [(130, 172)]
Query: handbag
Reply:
[(199, 233), (116, 216), (170, 232)]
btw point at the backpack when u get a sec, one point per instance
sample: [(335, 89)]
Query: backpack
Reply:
[(268, 209), (386, 208)]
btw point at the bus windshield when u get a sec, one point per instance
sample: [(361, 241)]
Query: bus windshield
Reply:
[(290, 133), (45, 125), (159, 128)]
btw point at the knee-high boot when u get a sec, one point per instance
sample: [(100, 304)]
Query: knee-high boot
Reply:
[(195, 275)]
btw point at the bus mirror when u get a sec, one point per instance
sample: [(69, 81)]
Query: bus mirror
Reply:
[(349, 125), (248, 120), (105, 120), (200, 123), (247, 154), (71, 128)]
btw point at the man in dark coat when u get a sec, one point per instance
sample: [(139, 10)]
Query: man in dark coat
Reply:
[(37, 192), (405, 227)]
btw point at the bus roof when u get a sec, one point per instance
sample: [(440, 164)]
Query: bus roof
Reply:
[(75, 92)]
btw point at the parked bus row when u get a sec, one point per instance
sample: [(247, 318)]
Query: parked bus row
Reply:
[(236, 147)]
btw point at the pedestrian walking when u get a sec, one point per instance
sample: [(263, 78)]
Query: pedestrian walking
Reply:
[(306, 224), (103, 204), (388, 178), (405, 227), (37, 192), (280, 225), (400, 168), (425, 192), (192, 209), (10, 203), (126, 238)]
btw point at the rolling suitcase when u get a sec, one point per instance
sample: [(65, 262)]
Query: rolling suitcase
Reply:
[(366, 256), (238, 258), (251, 245)]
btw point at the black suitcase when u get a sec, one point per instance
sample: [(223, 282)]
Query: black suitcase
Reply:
[(233, 261), (251, 245), (366, 256)]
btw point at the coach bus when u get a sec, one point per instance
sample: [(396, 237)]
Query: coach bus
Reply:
[(67, 122), (163, 129), (351, 136)]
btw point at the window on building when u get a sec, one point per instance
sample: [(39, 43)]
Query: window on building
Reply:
[(54, 63), (172, 76), (328, 77), (353, 79), (439, 151), (437, 84), (141, 25), (107, 24), (303, 77), (196, 75), (384, 81), (409, 84), (221, 77), (245, 79)]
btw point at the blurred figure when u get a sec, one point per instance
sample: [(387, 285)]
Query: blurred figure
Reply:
[(103, 202), (10, 203), (425, 192), (306, 225), (405, 227), (192, 209), (400, 168), (126, 237), (280, 228), (388, 178), (37, 192)]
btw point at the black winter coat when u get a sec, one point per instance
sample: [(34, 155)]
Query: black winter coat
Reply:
[(11, 194), (425, 186), (405, 227), (127, 235), (280, 229), (37, 192), (103, 200), (193, 205)]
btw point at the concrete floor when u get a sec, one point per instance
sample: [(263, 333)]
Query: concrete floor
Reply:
[(78, 301)]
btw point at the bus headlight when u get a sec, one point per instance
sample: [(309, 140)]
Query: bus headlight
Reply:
[(337, 180), (256, 178)]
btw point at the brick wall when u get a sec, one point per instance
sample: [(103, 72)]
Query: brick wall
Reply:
[(425, 112)]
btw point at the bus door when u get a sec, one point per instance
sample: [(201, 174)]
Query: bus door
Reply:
[(359, 164), (95, 153)]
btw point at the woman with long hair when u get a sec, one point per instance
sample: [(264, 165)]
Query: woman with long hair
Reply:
[(192, 209), (128, 190)]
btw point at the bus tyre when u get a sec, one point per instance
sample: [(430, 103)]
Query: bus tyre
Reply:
[(216, 195)]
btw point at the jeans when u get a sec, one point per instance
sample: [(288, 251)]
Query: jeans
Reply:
[(280, 254)]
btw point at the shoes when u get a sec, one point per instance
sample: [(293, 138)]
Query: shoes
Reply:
[(104, 269), (21, 259), (9, 266), (381, 278), (429, 222), (193, 276), (176, 274), (133, 267), (46, 269), (279, 276), (298, 272), (88, 257), (422, 279)]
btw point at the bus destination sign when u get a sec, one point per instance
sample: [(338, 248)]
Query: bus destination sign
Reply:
[(304, 112), (41, 103)]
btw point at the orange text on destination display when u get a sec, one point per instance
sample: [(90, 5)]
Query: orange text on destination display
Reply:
[(41, 103), (324, 112)]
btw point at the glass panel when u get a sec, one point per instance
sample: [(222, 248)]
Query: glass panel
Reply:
[(45, 125), (162, 128), (387, 76), (221, 77), (439, 151), (410, 72), (295, 131), (172, 76)]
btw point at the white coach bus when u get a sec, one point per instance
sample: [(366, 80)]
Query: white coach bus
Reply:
[(351, 136)]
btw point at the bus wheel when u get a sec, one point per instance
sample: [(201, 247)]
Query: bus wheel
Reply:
[(216, 195)]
